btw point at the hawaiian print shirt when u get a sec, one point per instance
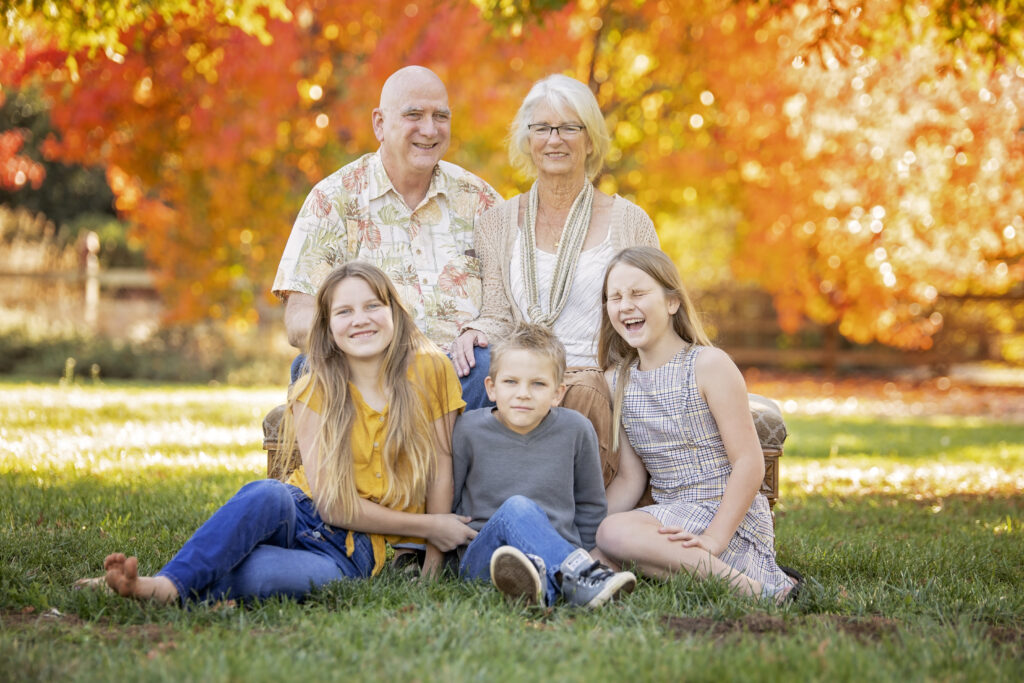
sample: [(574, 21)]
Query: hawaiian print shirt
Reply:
[(356, 213)]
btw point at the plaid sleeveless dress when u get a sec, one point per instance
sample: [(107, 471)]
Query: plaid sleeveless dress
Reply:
[(670, 426)]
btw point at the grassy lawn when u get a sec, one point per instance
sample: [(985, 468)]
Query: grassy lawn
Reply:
[(912, 530)]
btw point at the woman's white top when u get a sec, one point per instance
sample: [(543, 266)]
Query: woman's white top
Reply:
[(578, 324)]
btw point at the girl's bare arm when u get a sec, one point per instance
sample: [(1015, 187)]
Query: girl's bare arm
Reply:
[(630, 481)]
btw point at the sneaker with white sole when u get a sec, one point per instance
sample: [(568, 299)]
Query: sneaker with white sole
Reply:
[(519, 576), (588, 583)]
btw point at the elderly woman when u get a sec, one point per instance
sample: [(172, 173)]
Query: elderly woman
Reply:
[(544, 254)]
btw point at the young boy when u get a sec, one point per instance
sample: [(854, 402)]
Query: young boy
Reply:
[(529, 475)]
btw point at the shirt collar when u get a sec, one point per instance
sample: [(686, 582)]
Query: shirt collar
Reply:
[(382, 184)]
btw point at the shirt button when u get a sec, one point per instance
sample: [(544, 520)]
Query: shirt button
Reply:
[(377, 475), (375, 444), (381, 418)]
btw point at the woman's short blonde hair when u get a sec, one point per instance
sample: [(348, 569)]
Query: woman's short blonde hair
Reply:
[(570, 98)]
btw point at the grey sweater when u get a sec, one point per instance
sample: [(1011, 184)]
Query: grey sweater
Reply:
[(556, 465)]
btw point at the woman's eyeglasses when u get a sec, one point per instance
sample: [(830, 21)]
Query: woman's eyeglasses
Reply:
[(566, 130)]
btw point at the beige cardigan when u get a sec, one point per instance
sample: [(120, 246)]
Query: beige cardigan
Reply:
[(494, 238)]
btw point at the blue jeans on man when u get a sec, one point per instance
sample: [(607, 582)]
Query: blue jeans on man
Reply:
[(473, 391), (267, 540)]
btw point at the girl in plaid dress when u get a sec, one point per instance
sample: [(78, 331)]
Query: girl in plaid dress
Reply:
[(683, 409)]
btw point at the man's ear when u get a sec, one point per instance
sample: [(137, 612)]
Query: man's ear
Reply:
[(559, 395), (489, 387), (377, 117)]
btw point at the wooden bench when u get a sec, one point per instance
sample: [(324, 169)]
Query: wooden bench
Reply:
[(279, 465), (771, 432)]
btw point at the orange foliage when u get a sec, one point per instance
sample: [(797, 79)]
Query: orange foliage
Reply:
[(17, 170), (856, 192), (871, 188)]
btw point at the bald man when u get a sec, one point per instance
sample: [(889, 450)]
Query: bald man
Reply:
[(401, 208)]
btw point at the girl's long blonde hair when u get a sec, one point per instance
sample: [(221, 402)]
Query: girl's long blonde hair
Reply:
[(612, 349), (410, 449)]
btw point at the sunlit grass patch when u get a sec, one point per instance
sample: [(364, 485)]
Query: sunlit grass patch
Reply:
[(94, 429), (70, 406), (868, 476), (100, 447), (950, 439)]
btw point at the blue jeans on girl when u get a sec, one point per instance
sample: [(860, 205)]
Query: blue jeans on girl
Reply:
[(267, 540), (521, 523)]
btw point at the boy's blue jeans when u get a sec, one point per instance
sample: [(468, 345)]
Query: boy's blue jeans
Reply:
[(267, 540), (521, 523), (473, 391)]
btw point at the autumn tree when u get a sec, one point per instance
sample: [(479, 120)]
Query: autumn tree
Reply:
[(759, 134), (879, 184)]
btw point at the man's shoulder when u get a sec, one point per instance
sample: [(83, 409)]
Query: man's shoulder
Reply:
[(341, 179), (463, 179)]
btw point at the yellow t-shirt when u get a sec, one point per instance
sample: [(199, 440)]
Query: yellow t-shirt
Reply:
[(437, 384)]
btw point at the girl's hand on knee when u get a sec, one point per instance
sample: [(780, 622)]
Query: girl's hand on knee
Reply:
[(691, 540), (450, 531)]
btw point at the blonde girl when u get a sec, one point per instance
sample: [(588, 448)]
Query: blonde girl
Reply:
[(683, 410), (373, 423)]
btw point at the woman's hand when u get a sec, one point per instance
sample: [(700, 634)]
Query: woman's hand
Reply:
[(462, 350), (691, 540), (449, 531)]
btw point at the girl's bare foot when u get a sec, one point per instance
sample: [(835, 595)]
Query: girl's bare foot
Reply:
[(123, 578)]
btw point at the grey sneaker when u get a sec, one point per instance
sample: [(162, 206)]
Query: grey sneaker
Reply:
[(588, 583), (519, 575)]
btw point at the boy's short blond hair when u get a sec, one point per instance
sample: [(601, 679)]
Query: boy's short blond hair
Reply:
[(530, 337)]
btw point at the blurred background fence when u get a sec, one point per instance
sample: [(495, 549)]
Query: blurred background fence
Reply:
[(63, 314), (743, 321), (57, 289)]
